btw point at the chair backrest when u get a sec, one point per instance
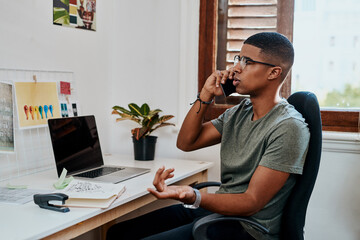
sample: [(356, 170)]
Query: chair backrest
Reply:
[(295, 210)]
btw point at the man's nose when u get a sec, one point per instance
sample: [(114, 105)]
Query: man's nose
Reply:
[(238, 68)]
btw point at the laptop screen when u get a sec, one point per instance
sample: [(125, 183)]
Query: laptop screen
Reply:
[(75, 143)]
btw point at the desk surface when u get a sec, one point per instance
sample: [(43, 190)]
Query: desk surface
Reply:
[(28, 221)]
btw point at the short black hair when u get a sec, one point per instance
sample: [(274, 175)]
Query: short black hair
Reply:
[(274, 46)]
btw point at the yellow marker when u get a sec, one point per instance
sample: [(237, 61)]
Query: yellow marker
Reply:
[(36, 112)]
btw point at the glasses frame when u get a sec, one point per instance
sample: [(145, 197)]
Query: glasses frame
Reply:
[(245, 60)]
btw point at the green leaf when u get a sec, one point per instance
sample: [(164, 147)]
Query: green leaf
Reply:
[(125, 116), (139, 132), (135, 109), (153, 112), (161, 125), (156, 110), (165, 118), (145, 109), (150, 122), (115, 112), (121, 109)]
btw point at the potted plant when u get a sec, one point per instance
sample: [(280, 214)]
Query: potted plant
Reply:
[(149, 120)]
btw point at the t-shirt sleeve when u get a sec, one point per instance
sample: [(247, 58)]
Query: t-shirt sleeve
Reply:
[(219, 122), (287, 146)]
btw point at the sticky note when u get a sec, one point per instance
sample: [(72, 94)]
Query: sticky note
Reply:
[(65, 88)]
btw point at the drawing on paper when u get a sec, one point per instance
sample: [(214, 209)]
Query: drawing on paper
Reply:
[(6, 118)]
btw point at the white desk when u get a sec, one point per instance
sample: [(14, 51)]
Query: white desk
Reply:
[(28, 221)]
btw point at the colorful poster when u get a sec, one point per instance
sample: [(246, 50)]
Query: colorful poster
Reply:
[(6, 118), (36, 103), (75, 13)]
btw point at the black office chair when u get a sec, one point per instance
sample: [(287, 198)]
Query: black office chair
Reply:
[(293, 219)]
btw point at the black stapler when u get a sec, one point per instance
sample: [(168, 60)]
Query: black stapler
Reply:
[(43, 201)]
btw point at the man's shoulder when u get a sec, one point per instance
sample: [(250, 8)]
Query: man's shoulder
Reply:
[(285, 117), (286, 112)]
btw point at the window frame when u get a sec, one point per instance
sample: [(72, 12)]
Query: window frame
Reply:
[(341, 120)]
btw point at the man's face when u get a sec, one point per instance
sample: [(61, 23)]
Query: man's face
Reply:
[(252, 78)]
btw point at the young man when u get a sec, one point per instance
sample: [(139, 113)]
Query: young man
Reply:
[(263, 140)]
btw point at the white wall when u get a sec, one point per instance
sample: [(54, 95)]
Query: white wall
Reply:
[(138, 54), (154, 60), (334, 207), (149, 54)]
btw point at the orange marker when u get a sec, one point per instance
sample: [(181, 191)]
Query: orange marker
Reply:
[(26, 109), (31, 109)]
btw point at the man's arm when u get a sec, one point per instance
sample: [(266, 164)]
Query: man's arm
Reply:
[(195, 134), (263, 186)]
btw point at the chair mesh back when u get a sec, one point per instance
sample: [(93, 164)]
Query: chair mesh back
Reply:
[(295, 210)]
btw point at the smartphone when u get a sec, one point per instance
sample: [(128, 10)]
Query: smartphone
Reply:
[(228, 88)]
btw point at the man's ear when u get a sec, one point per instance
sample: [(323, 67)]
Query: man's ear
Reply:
[(275, 73)]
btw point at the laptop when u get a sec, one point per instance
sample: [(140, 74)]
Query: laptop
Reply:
[(76, 148)]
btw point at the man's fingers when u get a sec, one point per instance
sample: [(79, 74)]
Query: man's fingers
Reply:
[(160, 177), (157, 178), (168, 173), (225, 75), (221, 77), (231, 73), (217, 78)]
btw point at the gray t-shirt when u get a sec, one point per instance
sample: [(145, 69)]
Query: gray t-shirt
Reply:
[(279, 141)]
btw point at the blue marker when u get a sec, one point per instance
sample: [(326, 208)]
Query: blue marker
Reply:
[(41, 111), (46, 110), (51, 110)]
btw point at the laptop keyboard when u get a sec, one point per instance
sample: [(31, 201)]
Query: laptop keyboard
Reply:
[(99, 172)]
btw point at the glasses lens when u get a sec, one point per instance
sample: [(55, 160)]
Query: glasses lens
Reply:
[(236, 60), (242, 62)]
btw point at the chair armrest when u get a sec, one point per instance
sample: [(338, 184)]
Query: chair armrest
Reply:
[(206, 184), (200, 227)]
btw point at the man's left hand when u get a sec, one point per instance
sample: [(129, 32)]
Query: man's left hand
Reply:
[(162, 191)]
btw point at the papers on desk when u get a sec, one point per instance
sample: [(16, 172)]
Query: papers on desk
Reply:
[(91, 194), (17, 196)]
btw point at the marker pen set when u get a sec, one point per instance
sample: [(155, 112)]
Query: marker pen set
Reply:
[(38, 112)]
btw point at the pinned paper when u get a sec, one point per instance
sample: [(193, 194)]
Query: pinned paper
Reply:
[(65, 88), (30, 95), (63, 182), (75, 111)]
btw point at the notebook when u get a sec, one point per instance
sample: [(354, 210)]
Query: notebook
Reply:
[(76, 148)]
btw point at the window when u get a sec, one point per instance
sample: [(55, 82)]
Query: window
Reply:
[(223, 22)]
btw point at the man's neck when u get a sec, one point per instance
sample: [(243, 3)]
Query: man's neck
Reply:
[(262, 105)]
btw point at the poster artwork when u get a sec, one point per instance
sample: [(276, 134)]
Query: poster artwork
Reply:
[(75, 13)]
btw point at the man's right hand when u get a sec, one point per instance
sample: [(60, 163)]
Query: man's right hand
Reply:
[(194, 133), (212, 87)]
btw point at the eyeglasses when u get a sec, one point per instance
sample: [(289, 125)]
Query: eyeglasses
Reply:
[(245, 60)]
